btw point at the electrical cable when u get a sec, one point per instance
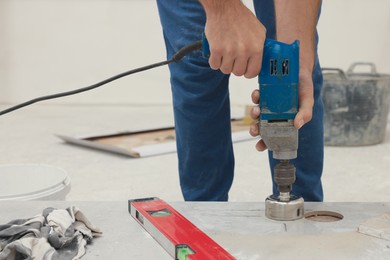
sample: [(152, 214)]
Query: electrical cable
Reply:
[(175, 58)]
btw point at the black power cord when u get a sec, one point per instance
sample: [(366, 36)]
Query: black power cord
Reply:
[(175, 58)]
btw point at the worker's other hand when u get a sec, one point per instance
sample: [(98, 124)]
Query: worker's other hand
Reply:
[(255, 114), (236, 38), (305, 97)]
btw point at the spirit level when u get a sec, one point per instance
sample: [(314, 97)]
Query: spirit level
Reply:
[(176, 234)]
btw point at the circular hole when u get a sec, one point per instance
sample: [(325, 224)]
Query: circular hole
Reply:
[(323, 216)]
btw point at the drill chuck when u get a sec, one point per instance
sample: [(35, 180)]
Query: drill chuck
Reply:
[(284, 176)]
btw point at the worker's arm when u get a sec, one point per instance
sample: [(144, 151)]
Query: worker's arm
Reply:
[(236, 37), (296, 20)]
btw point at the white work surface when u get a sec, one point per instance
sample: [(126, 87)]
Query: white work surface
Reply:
[(240, 227)]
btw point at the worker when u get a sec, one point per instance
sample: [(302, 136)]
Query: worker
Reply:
[(200, 87)]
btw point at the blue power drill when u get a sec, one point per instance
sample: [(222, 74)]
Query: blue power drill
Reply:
[(278, 84)]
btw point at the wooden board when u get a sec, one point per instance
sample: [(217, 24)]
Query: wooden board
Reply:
[(148, 142)]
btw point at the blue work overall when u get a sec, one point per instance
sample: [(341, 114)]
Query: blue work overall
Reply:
[(202, 112)]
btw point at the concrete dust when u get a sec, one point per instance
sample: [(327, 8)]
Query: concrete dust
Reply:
[(347, 245)]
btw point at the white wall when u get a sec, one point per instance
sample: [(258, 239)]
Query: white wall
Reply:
[(49, 46), (355, 30)]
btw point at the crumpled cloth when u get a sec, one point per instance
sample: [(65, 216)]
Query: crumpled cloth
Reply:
[(54, 234)]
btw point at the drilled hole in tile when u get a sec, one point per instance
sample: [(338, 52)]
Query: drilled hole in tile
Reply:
[(323, 216)]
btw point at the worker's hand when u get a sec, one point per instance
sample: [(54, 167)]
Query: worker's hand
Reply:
[(255, 114), (236, 38), (305, 112)]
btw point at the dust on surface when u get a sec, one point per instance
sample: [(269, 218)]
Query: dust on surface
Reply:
[(346, 245)]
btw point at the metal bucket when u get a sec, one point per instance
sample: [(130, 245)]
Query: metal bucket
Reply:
[(356, 106)]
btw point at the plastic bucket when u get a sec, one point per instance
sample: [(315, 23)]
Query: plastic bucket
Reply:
[(33, 182), (356, 106)]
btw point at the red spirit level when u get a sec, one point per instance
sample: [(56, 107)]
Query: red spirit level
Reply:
[(176, 234)]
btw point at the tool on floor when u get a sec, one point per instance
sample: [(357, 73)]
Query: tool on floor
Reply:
[(278, 83), (176, 234)]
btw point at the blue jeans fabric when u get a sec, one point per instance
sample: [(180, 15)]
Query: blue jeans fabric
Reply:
[(202, 112)]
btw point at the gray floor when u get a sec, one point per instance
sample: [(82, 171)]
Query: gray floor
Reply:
[(359, 174)]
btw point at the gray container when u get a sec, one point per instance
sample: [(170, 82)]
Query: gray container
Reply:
[(356, 106)]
